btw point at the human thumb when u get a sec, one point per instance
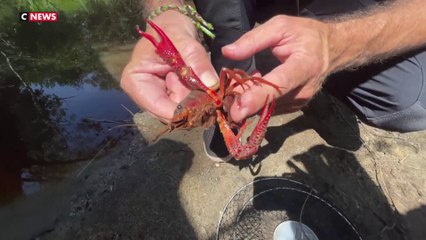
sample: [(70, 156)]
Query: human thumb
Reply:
[(199, 61)]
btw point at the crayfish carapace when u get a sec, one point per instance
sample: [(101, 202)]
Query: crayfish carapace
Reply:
[(204, 106)]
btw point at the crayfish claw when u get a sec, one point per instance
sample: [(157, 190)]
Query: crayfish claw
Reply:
[(160, 32), (232, 141), (147, 36), (164, 47)]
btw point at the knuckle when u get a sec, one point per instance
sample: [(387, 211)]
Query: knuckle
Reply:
[(279, 22), (249, 39), (317, 67), (308, 95), (279, 19), (275, 19)]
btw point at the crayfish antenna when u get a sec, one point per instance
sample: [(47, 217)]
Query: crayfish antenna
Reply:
[(161, 133), (147, 36)]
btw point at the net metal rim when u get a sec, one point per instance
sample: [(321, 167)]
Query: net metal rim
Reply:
[(313, 193)]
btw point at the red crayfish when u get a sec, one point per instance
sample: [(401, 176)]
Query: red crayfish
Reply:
[(204, 106)]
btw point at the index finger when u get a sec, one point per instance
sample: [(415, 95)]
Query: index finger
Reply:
[(271, 33)]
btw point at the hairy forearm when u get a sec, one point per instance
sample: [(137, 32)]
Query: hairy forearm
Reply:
[(377, 34)]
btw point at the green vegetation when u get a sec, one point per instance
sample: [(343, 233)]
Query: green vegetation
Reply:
[(63, 5), (57, 53)]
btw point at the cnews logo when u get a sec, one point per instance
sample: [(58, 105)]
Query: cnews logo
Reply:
[(38, 16)]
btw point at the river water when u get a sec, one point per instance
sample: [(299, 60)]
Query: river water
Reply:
[(60, 101)]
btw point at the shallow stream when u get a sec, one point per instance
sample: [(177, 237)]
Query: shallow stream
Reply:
[(60, 101)]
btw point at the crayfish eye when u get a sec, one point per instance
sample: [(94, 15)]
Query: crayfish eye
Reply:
[(179, 107), (212, 111)]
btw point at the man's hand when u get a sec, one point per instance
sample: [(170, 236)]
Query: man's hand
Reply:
[(150, 82), (301, 45), (310, 50)]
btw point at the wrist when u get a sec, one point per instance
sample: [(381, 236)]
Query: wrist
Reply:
[(337, 44), (200, 23), (151, 5), (173, 22)]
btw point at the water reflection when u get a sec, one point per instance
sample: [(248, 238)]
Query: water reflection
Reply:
[(91, 114), (59, 102)]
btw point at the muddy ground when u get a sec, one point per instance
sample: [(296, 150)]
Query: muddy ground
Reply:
[(171, 190)]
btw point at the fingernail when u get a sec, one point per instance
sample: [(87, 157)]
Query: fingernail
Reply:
[(210, 80)]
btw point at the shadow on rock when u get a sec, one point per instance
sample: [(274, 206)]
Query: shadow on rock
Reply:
[(415, 220), (334, 122), (140, 202), (338, 176)]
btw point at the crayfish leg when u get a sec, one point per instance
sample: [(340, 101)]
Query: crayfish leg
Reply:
[(241, 78), (233, 143)]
